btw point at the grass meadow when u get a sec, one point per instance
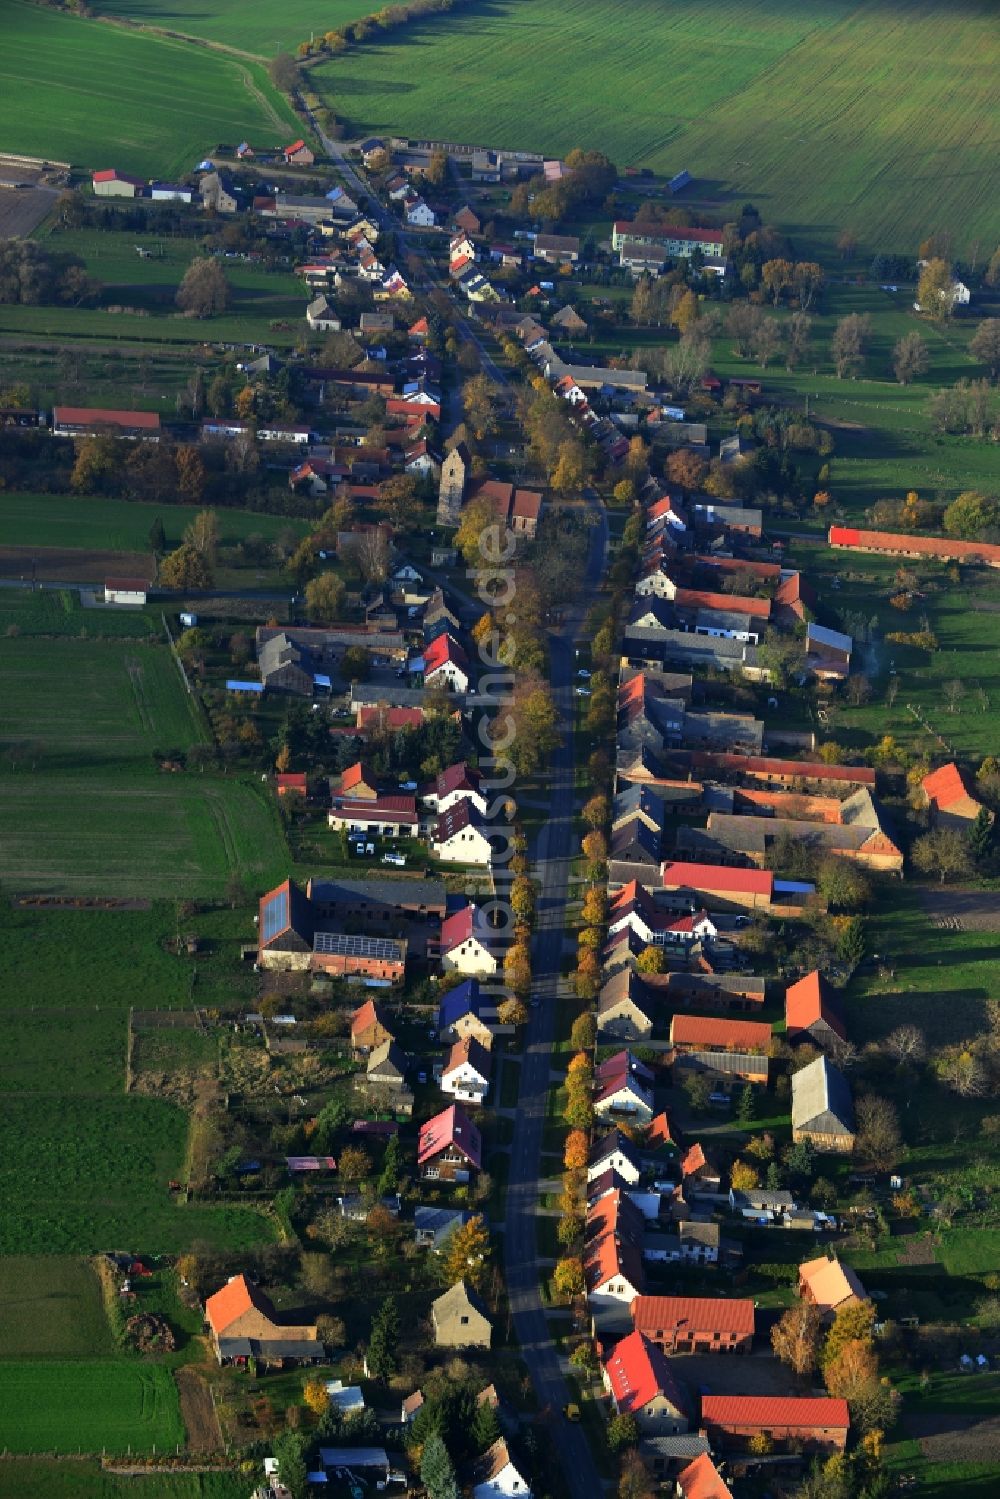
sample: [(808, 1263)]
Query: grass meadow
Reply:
[(264, 28), (93, 1406), (50, 1307), (965, 617), (86, 811), (92, 522), (98, 96), (838, 114), (143, 291)]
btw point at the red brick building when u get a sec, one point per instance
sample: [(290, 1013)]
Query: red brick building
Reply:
[(813, 1424), (695, 1324)]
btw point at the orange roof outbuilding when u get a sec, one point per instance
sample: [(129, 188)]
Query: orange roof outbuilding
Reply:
[(946, 786), (236, 1297)]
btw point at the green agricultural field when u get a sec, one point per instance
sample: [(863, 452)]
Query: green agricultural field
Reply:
[(92, 1406), (86, 811), (40, 1478), (86, 1166), (78, 1175), (121, 959), (39, 1042), (838, 114), (964, 616), (77, 91), (52, 611), (50, 1307), (92, 522), (264, 28)]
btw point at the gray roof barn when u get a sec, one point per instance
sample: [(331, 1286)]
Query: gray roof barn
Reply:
[(821, 1102)]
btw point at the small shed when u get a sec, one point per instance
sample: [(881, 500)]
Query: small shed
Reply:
[(126, 591)]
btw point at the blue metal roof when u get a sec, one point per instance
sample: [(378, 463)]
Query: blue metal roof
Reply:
[(458, 1002), (236, 686)]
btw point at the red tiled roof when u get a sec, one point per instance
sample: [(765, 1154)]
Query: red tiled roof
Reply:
[(365, 1017), (452, 1127), (398, 809), (660, 1314), (394, 718), (468, 1050), (107, 416), (356, 775), (802, 1411), (236, 1297), (719, 878), (694, 1160), (614, 1242), (737, 1035), (928, 546), (295, 146), (946, 786), (659, 1133), (809, 1000), (292, 781), (767, 765), (701, 1480), (769, 570), (637, 1372), (443, 649), (699, 598), (459, 927)]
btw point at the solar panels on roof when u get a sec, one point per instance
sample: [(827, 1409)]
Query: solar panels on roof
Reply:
[(349, 944), (275, 914)]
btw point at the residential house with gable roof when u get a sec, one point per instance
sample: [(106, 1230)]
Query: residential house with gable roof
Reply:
[(496, 1475), (459, 1319), (465, 943), (615, 1152), (701, 1479), (642, 1385), (830, 1285), (623, 1086), (459, 836), (813, 1013), (450, 1147), (466, 1072), (244, 1326), (461, 1014), (612, 1255)]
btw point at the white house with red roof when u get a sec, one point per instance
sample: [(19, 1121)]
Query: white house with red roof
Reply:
[(466, 1073), (623, 1086), (459, 837), (634, 909), (458, 782), (450, 1147), (445, 663), (641, 1384), (612, 1255), (465, 943), (298, 154)]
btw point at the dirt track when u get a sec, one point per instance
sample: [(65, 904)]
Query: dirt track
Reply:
[(72, 564), (198, 1411)]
